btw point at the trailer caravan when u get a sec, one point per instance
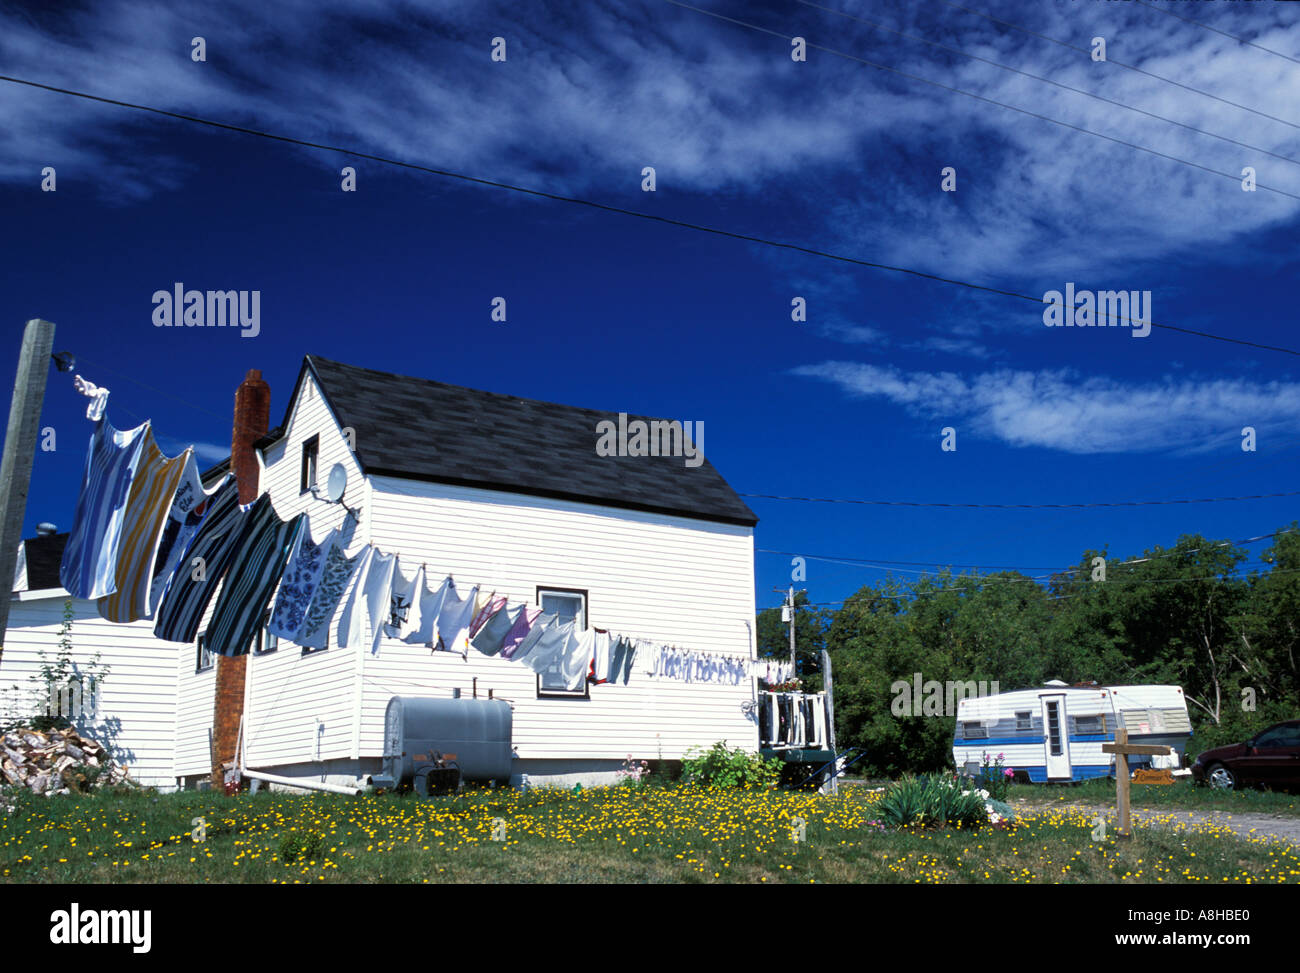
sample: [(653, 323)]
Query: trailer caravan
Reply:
[(1056, 732)]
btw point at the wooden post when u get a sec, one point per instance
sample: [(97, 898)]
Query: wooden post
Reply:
[(1122, 749), (20, 451), (829, 688)]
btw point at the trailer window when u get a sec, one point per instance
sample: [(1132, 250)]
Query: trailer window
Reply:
[(1024, 721), (974, 731), (1089, 724)]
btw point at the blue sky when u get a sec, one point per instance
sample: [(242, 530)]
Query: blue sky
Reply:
[(612, 312)]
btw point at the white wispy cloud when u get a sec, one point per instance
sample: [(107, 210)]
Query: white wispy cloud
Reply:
[(1062, 410), (591, 93)]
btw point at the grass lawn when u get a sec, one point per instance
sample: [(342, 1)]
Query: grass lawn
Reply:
[(1180, 794), (674, 834)]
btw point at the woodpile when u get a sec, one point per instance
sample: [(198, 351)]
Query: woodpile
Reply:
[(55, 762)]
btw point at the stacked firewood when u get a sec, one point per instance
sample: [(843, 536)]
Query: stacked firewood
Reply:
[(55, 762)]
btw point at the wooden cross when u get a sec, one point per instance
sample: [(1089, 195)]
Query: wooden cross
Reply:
[(1122, 750)]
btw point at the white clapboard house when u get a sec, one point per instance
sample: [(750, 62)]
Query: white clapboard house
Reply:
[(499, 491)]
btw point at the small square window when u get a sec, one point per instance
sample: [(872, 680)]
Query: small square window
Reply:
[(1024, 721), (205, 660), (974, 731), (569, 605), (310, 448)]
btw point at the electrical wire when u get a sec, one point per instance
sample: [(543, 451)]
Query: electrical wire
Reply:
[(1120, 64), (1205, 26), (1235, 177), (623, 211), (1058, 84), (1020, 506)]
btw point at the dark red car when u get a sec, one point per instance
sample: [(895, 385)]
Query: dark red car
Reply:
[(1271, 758)]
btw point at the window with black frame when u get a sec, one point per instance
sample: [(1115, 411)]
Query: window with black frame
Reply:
[(568, 605), (204, 660), (310, 449)]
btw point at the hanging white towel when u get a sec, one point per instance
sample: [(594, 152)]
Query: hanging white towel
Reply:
[(454, 619), (369, 600), (577, 658)]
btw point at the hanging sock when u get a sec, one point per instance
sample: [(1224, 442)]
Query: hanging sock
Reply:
[(196, 577), (370, 598), (523, 625), (298, 584), (89, 565), (430, 607), (600, 657), (148, 505), (315, 629), (404, 605), (255, 570), (493, 633), (454, 619), (98, 397)]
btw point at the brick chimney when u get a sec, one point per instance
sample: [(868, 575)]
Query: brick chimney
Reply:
[(252, 420)]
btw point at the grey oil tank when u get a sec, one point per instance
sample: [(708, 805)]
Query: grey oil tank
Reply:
[(474, 733)]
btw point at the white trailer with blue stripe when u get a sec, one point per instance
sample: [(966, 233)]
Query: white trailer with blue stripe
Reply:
[(1055, 733)]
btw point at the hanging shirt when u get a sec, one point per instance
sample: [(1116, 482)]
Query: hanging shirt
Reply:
[(430, 608), (370, 599), (485, 608), (454, 619), (493, 633), (315, 628), (404, 604), (189, 507), (298, 584), (196, 577), (255, 570), (576, 658), (549, 650), (153, 488), (523, 625), (542, 627), (89, 565)]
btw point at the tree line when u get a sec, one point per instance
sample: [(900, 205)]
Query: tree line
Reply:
[(1187, 615)]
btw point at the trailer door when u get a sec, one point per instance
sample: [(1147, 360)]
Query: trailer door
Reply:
[(1056, 743)]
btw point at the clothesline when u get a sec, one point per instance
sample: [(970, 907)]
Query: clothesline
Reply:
[(149, 542)]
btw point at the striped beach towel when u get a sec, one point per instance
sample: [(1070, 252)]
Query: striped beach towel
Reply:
[(89, 565), (200, 570), (259, 560), (190, 505), (152, 491)]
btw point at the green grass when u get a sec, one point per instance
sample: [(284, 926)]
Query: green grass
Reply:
[(600, 835), (1180, 794)]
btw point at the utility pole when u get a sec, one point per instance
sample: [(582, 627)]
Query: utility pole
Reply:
[(20, 451), (794, 671)]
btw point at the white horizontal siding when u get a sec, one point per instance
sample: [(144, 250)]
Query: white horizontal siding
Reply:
[(670, 579), (136, 714)]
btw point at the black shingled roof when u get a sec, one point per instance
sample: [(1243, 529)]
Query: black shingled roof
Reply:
[(43, 557), (425, 430)]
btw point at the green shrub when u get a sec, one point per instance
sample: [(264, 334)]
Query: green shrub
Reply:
[(720, 766), (297, 846), (931, 802)]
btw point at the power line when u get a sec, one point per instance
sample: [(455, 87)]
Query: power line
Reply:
[(991, 101), (1021, 506), (699, 227), (158, 391), (1121, 64), (1058, 84), (1204, 26)]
